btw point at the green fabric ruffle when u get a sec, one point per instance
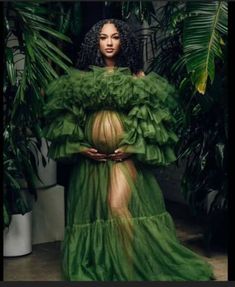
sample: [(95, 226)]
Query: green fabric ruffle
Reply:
[(150, 261), (147, 104)]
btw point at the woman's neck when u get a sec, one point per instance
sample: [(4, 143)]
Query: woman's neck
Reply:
[(109, 63)]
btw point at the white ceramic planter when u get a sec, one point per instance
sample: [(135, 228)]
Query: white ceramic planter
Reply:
[(18, 236)]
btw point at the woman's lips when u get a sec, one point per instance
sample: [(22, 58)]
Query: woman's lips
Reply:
[(109, 50)]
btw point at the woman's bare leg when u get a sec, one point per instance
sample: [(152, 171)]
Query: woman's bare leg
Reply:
[(118, 198)]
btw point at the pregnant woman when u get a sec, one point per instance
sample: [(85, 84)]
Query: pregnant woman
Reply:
[(115, 122)]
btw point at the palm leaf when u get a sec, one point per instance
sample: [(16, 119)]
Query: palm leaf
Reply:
[(49, 45), (36, 37), (202, 39), (32, 7), (52, 32)]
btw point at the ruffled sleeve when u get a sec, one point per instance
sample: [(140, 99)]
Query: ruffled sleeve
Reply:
[(150, 123), (65, 117)]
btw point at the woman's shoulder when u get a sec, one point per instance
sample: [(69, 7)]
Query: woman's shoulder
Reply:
[(139, 74), (148, 75)]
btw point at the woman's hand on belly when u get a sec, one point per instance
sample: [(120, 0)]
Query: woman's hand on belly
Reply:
[(119, 155), (94, 154)]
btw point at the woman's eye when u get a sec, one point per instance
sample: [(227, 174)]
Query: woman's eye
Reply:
[(116, 37), (102, 38)]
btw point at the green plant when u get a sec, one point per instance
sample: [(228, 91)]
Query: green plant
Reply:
[(190, 42), (204, 144), (29, 52), (203, 35), (17, 165), (204, 141)]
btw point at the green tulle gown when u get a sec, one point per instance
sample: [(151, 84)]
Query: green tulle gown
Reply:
[(117, 226)]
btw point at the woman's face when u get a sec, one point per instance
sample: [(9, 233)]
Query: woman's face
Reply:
[(109, 41)]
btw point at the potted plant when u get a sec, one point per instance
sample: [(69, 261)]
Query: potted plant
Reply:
[(29, 54), (17, 208)]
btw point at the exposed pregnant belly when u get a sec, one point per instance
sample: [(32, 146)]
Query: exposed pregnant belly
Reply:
[(106, 131)]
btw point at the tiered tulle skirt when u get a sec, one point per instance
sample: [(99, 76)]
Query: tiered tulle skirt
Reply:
[(117, 226)]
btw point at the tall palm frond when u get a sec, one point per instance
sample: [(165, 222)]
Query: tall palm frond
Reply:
[(203, 33), (32, 29)]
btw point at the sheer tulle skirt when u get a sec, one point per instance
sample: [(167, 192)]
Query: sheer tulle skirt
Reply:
[(117, 226)]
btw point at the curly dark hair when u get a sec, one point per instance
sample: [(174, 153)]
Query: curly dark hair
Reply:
[(130, 54)]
